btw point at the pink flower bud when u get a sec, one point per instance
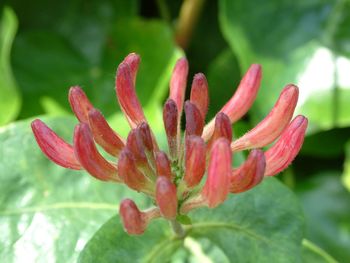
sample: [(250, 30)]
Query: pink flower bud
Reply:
[(170, 119), (133, 60), (127, 98), (274, 123), (216, 187), (146, 136), (132, 218), (88, 156), (56, 149), (166, 197), (79, 103), (195, 158), (178, 83), (129, 173), (222, 128), (249, 174), (194, 120), (103, 133), (199, 93), (163, 165), (135, 145), (283, 152), (241, 101)]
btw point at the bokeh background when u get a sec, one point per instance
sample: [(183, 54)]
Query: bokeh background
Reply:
[(48, 46)]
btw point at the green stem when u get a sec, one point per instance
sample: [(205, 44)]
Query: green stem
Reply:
[(187, 20), (177, 228), (309, 245), (164, 10)]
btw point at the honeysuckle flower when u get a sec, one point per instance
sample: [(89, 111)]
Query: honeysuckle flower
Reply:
[(196, 170)]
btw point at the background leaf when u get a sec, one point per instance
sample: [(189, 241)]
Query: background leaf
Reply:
[(10, 100), (326, 206), (295, 41), (47, 213)]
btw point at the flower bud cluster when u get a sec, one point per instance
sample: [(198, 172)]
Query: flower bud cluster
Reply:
[(197, 169)]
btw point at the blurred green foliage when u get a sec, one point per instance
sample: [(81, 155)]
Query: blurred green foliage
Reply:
[(50, 213)]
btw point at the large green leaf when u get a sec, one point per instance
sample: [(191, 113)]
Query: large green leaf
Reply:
[(265, 224), (10, 101), (47, 213), (295, 41), (326, 206), (46, 63)]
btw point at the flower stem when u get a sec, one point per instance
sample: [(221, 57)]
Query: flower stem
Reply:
[(177, 228)]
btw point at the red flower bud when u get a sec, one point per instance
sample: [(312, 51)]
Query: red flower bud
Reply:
[(56, 149), (135, 145), (133, 60), (199, 93), (132, 218), (163, 165), (79, 103), (166, 197), (195, 158), (103, 133), (216, 187), (241, 101), (283, 152), (88, 156), (249, 174), (170, 119), (274, 123), (194, 119), (129, 173), (127, 98), (222, 128), (178, 83), (146, 136)]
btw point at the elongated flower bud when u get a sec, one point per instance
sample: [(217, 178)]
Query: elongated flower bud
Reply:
[(195, 157), (170, 119), (128, 171), (163, 165), (89, 157), (80, 104), (55, 148), (222, 129), (132, 218), (199, 93), (242, 100), (178, 83), (146, 136), (166, 197), (194, 120), (216, 187), (249, 174), (283, 152), (127, 98), (103, 133), (135, 145), (273, 124), (133, 60)]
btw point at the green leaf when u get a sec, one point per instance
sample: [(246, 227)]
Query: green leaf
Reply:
[(47, 213), (10, 100), (295, 41), (326, 143), (326, 206), (46, 64), (265, 223), (223, 78)]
